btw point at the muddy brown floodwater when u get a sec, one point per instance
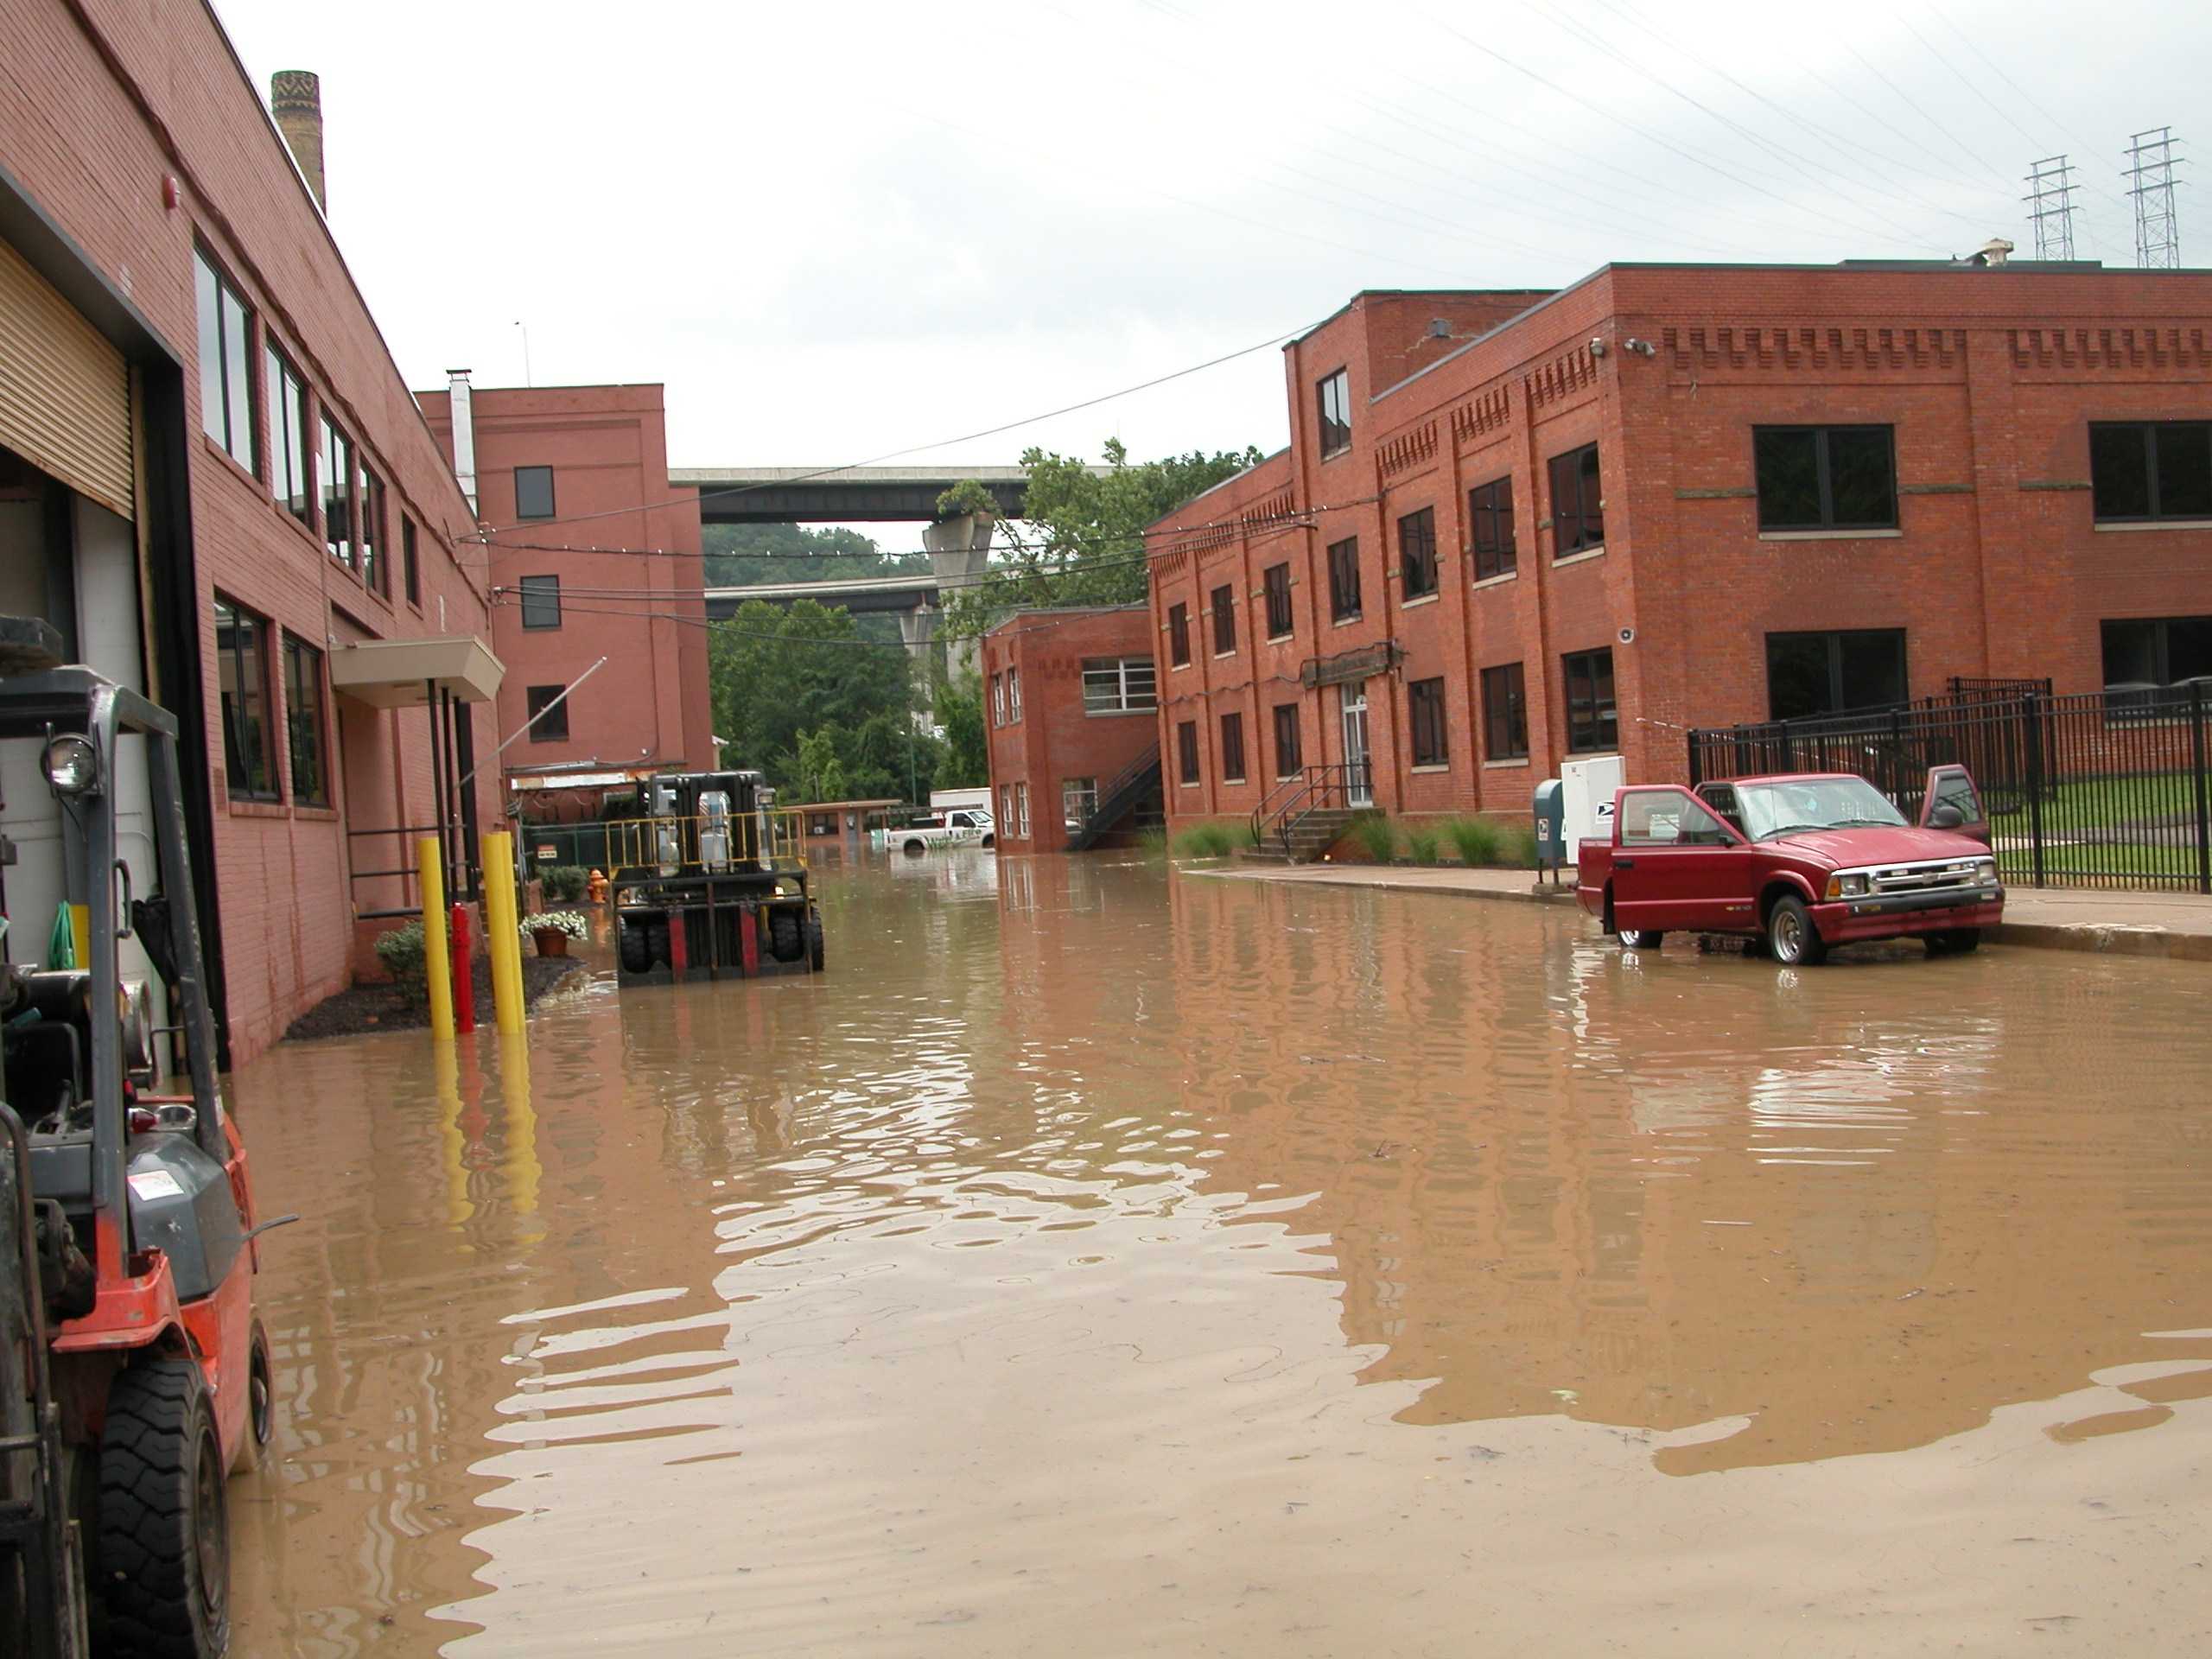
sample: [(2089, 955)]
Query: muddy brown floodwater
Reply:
[(1102, 1262)]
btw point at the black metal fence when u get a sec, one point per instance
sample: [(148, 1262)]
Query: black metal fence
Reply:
[(2100, 790)]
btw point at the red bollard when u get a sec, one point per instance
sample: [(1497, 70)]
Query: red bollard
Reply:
[(464, 976)]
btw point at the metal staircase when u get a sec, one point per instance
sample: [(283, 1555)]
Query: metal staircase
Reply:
[(1120, 798), (1302, 816)]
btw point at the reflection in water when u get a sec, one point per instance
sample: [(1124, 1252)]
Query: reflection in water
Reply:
[(1095, 1260)]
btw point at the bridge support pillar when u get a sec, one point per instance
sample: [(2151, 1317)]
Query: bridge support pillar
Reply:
[(918, 627), (960, 551)]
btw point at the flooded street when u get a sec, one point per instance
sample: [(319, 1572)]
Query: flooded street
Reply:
[(1097, 1261)]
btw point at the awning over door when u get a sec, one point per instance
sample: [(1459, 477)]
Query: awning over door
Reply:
[(64, 390), (402, 673)]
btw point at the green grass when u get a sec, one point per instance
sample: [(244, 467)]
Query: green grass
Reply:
[(1376, 836), (1204, 840), (2018, 864), (1153, 843), (1478, 841), (1248, 832), (2100, 802), (1424, 842)]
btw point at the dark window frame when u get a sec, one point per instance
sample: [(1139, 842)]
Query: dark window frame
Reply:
[(293, 461), (1126, 671), (1274, 583), (1335, 387), (234, 363), (247, 727), (1222, 603), (1578, 474), (1187, 751), (2153, 458), (1425, 720), (1290, 748), (2162, 648), (1178, 635), (1343, 580), (376, 569), (552, 730), (534, 473), (339, 535), (1417, 554), (309, 728), (1505, 712), (533, 594), (1823, 438), (1232, 747), (1832, 645), (1490, 537), (411, 567), (1593, 712)]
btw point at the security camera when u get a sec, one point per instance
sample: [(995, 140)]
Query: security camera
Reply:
[(1628, 636), (1641, 347)]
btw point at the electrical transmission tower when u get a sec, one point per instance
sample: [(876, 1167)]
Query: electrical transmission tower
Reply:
[(2050, 200), (2157, 234)]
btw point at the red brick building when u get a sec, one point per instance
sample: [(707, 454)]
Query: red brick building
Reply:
[(1509, 528), (214, 482), (1069, 698), (562, 467)]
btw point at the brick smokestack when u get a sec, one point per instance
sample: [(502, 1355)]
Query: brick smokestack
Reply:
[(295, 99)]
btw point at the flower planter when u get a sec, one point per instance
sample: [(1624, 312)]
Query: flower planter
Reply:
[(551, 941)]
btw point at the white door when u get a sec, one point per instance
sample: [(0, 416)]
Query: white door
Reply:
[(1359, 782)]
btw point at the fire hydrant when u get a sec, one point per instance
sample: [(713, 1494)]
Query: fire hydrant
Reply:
[(595, 887)]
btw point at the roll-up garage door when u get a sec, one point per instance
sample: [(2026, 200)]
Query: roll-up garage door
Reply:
[(65, 391)]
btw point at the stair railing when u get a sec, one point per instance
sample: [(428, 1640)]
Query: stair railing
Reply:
[(1294, 799)]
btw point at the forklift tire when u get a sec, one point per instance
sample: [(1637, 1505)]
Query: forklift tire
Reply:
[(163, 1564), (637, 950), (656, 954), (261, 1389), (814, 947), (784, 942)]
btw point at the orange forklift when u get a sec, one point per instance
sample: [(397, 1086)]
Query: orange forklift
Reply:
[(134, 1374)]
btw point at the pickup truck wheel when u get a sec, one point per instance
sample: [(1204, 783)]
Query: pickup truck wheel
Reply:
[(915, 849), (1641, 939), (1955, 942), (1790, 935)]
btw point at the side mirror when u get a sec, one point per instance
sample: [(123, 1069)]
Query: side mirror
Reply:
[(1945, 816)]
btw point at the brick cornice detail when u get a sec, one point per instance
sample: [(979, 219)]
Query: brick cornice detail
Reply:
[(1756, 346)]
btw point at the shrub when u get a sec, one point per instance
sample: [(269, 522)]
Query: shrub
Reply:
[(1478, 841), (1424, 843), (1376, 836), (563, 883), (1153, 843), (1204, 840), (1520, 852), (571, 921), (1248, 832), (402, 953)]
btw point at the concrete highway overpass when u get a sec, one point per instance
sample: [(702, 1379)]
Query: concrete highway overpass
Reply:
[(797, 495)]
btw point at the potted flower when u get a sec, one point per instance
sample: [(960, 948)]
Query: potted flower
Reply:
[(553, 931)]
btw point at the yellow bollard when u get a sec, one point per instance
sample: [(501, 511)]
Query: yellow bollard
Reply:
[(437, 953), (501, 935)]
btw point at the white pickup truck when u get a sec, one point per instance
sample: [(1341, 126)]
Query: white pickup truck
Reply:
[(967, 826)]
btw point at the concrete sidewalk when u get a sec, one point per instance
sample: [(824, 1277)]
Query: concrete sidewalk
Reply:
[(2172, 924)]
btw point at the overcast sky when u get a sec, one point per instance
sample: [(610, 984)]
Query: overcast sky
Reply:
[(839, 232)]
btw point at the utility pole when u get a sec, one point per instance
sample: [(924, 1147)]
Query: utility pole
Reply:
[(2050, 200), (2157, 233)]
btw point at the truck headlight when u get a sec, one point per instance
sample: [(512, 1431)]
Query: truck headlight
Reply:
[(72, 765), (1985, 872), (1848, 884)]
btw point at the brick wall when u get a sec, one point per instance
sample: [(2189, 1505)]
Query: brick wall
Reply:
[(1056, 737)]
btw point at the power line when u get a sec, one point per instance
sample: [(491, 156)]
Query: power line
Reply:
[(1910, 103), (2158, 230)]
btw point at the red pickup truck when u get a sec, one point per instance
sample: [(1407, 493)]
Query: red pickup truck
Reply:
[(1802, 861)]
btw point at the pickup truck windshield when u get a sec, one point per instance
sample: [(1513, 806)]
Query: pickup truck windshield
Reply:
[(1771, 809)]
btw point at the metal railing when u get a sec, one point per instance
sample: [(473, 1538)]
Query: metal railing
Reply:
[(1342, 786), (2107, 790), (395, 847), (1110, 804), (640, 848)]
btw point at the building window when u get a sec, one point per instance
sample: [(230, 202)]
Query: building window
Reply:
[(1432, 744), (1505, 713), (1343, 580), (1078, 802), (1232, 748), (1592, 722), (1179, 636), (1021, 811), (225, 365), (1827, 673), (541, 601), (288, 425), (1013, 695), (2165, 651), (1417, 552), (533, 492), (242, 672), (1289, 759), (410, 569), (1118, 685), (373, 570), (1826, 477), (1578, 514), (1276, 580), (1224, 620), (1335, 396), (1005, 808), (1490, 512), (2151, 469), (998, 699), (337, 493), (549, 721), (303, 723), (1187, 751)]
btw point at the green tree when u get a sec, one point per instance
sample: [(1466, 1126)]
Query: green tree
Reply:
[(738, 555), (774, 673), (966, 760), (1081, 539), (821, 771)]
